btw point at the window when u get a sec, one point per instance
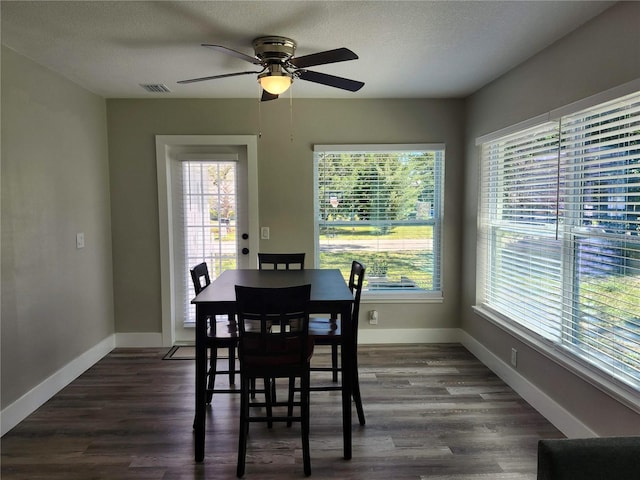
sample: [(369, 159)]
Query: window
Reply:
[(559, 244), (381, 205), (206, 227)]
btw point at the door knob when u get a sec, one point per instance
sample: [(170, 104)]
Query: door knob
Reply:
[(245, 251), (245, 236)]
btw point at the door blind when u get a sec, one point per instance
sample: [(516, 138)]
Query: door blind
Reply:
[(204, 211)]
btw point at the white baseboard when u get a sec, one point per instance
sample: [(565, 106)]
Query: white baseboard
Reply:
[(560, 417), (37, 396), (373, 336), (138, 340)]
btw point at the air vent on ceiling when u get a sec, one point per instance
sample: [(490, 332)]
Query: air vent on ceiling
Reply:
[(155, 87)]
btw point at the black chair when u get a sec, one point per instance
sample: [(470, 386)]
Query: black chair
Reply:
[(328, 331), (281, 261), (221, 333), (274, 343), (595, 458)]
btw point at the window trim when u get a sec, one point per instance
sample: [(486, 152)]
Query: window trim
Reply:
[(406, 297)]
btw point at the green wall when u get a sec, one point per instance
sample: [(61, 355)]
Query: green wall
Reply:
[(57, 300), (285, 182)]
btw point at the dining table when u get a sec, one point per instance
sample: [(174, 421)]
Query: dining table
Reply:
[(329, 295)]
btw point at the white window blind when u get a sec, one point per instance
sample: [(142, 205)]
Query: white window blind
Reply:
[(205, 204), (382, 207), (559, 226), (518, 226), (601, 148)]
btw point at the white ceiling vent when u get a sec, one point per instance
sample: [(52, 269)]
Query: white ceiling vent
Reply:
[(155, 87)]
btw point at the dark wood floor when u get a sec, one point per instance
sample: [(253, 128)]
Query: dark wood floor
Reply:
[(433, 412)]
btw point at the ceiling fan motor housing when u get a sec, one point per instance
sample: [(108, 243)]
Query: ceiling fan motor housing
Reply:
[(274, 49)]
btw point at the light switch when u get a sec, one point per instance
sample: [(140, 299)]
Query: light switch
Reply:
[(80, 240), (264, 233)]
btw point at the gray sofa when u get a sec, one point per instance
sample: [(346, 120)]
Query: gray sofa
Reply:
[(602, 458)]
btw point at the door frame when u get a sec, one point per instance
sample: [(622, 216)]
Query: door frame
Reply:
[(167, 148)]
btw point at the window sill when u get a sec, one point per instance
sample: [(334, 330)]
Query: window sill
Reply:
[(401, 297), (617, 390)]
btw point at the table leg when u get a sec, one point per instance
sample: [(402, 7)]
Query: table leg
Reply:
[(201, 380), (346, 352)]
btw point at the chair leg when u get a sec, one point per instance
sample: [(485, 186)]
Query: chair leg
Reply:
[(213, 365), (232, 365), (334, 362), (268, 400), (356, 394), (274, 397), (292, 389), (244, 426), (304, 414)]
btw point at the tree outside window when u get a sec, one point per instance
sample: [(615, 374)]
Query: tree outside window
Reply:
[(381, 205)]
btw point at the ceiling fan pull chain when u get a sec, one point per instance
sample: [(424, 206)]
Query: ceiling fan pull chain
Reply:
[(291, 110), (259, 114)]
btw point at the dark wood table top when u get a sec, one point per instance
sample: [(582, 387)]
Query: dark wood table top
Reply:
[(327, 285)]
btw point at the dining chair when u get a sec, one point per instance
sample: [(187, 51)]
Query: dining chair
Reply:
[(274, 342), (328, 331), (281, 261), (222, 333)]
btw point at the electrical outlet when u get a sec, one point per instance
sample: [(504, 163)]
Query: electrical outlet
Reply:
[(514, 357), (373, 317), (80, 240)]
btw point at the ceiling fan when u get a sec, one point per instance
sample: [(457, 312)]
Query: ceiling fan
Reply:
[(279, 66)]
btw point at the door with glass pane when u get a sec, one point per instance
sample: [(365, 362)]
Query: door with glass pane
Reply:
[(208, 211), (210, 225)]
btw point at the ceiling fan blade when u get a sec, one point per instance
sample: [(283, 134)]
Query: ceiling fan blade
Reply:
[(214, 77), (266, 96), (322, 58), (330, 80), (234, 53)]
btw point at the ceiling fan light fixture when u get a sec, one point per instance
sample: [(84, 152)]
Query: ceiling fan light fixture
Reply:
[(275, 82)]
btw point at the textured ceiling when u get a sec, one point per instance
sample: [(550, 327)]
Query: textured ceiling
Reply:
[(407, 48)]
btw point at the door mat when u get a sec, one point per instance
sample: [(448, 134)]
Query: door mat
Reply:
[(185, 352), (181, 352)]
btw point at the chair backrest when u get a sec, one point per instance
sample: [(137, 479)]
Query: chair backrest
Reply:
[(273, 325), (281, 261), (590, 458), (200, 277), (356, 279)]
